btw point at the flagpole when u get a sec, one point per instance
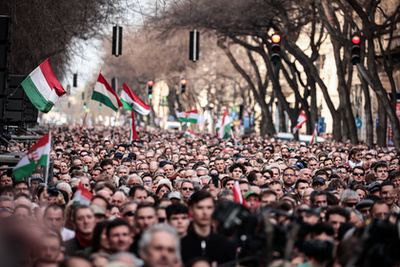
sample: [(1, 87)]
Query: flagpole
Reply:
[(46, 169), (50, 171), (88, 108), (15, 90)]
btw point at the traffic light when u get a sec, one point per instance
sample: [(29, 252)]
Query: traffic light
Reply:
[(355, 49), (84, 105), (100, 106), (275, 48), (75, 80), (183, 85), (150, 84), (117, 41), (194, 45)]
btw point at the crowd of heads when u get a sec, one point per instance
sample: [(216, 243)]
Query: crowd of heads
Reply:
[(107, 200)]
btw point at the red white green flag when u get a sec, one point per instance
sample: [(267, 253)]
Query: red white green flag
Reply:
[(37, 155), (190, 133), (42, 87), (300, 121), (223, 131), (314, 136), (130, 100), (82, 195), (104, 93), (188, 116)]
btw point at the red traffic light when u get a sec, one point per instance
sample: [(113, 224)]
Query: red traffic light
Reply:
[(356, 39), (183, 81), (275, 38), (150, 83)]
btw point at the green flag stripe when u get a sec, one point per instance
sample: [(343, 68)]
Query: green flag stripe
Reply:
[(26, 170), (104, 99)]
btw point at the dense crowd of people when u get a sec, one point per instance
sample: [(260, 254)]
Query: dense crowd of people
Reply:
[(169, 200)]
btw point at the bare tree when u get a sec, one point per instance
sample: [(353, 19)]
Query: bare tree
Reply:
[(47, 29), (363, 17)]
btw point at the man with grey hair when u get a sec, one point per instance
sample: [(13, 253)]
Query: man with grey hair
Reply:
[(134, 180), (205, 179), (160, 246), (201, 171), (127, 258), (121, 171), (349, 198), (119, 199), (66, 187)]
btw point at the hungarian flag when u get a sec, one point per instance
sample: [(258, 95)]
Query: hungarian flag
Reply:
[(223, 131), (130, 100), (190, 133), (188, 116), (314, 136), (133, 133), (105, 94), (82, 195), (42, 87), (300, 121), (37, 155), (237, 194)]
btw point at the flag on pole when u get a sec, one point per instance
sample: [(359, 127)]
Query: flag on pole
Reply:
[(105, 94), (82, 195), (42, 87), (237, 194), (225, 126), (133, 133), (190, 133), (37, 155), (300, 121), (129, 100), (314, 136), (188, 116)]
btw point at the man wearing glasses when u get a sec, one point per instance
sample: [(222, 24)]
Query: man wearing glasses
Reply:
[(186, 189), (21, 187), (349, 198), (358, 175), (289, 179)]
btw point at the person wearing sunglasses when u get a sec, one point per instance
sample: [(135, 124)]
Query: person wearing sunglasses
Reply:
[(186, 189), (358, 175), (349, 198)]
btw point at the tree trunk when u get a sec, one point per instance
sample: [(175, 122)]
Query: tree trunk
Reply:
[(336, 126), (313, 104), (282, 118), (382, 125), (266, 125), (368, 124)]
